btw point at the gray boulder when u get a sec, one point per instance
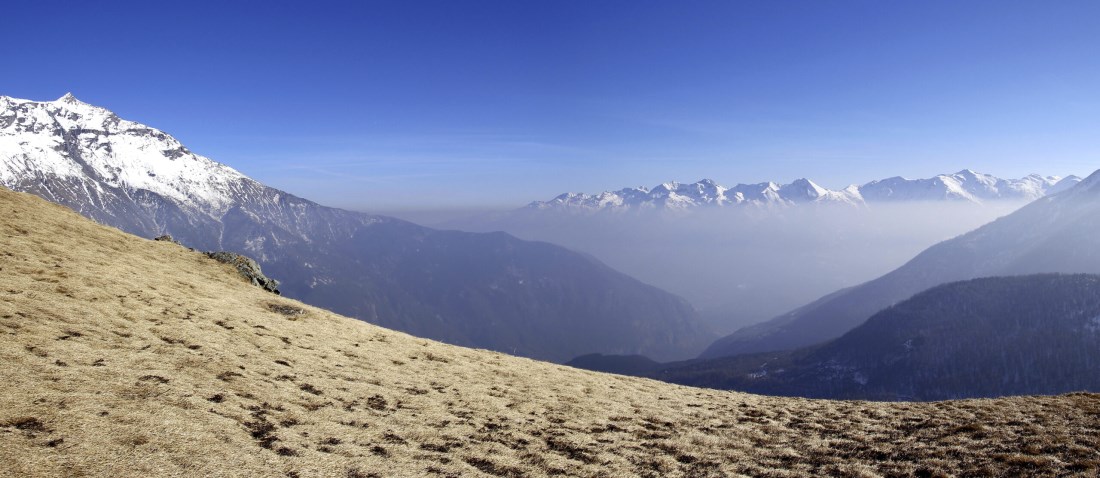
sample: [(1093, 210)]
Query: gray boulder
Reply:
[(248, 268)]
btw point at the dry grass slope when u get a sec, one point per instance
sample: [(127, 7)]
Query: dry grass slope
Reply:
[(121, 356)]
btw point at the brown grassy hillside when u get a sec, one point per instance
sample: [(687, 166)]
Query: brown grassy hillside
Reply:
[(121, 356)]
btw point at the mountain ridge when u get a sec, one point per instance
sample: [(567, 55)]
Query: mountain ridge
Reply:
[(965, 185)]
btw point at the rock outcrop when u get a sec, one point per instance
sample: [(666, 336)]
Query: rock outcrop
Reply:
[(248, 268)]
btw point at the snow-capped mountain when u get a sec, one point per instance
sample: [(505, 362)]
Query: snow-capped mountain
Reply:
[(38, 140), (965, 185), (706, 192), (142, 180), (484, 290)]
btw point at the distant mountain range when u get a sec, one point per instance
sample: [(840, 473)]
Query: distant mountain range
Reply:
[(990, 337), (483, 290), (747, 254), (1057, 233), (965, 185)]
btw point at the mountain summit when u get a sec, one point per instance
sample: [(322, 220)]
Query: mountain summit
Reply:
[(484, 290)]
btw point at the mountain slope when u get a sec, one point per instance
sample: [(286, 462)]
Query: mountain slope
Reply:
[(484, 290), (1035, 334), (128, 357), (1052, 234)]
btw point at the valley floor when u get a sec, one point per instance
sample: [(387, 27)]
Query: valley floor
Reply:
[(121, 356)]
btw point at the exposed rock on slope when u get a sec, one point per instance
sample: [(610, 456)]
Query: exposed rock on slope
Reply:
[(248, 268), (127, 357)]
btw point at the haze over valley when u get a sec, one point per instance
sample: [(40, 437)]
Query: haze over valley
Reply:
[(743, 264)]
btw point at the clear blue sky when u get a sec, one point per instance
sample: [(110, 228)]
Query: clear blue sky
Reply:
[(427, 104)]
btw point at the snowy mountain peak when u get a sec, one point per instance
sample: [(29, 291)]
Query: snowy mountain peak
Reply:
[(69, 98), (66, 142), (803, 189)]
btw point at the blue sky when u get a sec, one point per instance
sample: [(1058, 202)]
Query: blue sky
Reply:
[(460, 104)]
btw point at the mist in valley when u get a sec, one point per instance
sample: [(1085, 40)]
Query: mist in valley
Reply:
[(740, 266)]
